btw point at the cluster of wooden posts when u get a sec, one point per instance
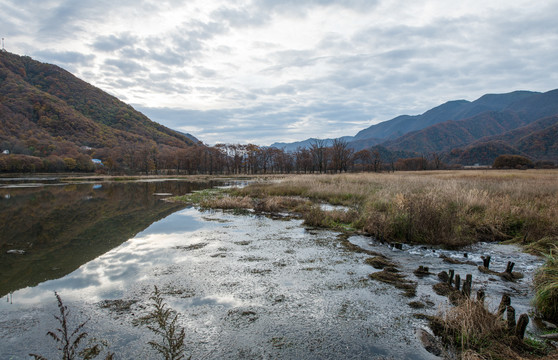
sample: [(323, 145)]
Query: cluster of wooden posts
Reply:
[(516, 327), (486, 264)]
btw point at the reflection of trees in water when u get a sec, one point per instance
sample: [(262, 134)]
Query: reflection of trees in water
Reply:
[(63, 227)]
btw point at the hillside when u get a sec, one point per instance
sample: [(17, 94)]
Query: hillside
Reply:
[(452, 110), (46, 111), (451, 134), (537, 141), (526, 127)]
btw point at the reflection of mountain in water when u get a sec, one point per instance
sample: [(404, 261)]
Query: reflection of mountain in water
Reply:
[(62, 227)]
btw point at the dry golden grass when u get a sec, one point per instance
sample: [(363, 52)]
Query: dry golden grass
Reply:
[(480, 334), (447, 207)]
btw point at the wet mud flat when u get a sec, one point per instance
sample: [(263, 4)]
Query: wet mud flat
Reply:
[(248, 287)]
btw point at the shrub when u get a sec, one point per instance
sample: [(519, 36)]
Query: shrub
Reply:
[(512, 162)]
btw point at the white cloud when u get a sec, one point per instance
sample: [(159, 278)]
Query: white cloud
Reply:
[(266, 71)]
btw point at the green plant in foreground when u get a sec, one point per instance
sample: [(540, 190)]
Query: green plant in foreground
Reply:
[(546, 287), (69, 340), (162, 320)]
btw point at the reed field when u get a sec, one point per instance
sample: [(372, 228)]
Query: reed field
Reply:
[(449, 208)]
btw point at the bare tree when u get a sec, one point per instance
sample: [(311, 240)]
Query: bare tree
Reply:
[(317, 148)]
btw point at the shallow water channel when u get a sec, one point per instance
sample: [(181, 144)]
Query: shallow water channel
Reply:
[(246, 286)]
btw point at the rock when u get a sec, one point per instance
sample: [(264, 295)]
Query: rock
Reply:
[(429, 341), (548, 324), (17, 252), (549, 336)]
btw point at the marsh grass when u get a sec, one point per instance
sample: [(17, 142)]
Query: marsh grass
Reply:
[(480, 334), (546, 287), (452, 208)]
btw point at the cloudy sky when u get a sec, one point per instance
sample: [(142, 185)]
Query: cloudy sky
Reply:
[(284, 70)]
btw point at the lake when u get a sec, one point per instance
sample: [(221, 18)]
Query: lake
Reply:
[(246, 286)]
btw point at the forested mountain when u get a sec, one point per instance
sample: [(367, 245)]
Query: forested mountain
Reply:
[(464, 132), (451, 110), (526, 127), (46, 112), (451, 134), (538, 141)]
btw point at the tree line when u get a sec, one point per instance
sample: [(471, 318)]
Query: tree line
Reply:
[(249, 159)]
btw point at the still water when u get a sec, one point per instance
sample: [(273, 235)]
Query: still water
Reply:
[(245, 286)]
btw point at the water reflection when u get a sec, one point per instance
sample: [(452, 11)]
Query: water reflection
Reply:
[(109, 275), (56, 229)]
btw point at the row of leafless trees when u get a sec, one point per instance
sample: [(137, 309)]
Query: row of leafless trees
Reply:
[(254, 159), (150, 158)]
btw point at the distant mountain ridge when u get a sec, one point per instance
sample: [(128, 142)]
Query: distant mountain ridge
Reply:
[(474, 131), (451, 110), (290, 147)]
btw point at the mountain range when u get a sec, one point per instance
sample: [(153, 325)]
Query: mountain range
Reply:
[(469, 132), (48, 113)]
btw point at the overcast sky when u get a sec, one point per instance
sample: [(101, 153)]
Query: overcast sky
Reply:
[(285, 70)]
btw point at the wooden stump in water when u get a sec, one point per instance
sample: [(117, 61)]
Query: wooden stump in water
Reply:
[(521, 326), (486, 261), (450, 279), (467, 285), (510, 317), (457, 282), (504, 303), (510, 266), (422, 271), (480, 296)]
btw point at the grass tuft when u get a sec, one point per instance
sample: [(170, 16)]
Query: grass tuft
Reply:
[(546, 287), (477, 333)]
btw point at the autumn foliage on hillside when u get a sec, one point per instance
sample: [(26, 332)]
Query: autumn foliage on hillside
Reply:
[(49, 114)]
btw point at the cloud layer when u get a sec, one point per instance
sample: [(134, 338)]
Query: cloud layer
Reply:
[(266, 71)]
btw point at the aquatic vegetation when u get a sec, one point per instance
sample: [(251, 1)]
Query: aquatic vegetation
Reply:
[(162, 320), (69, 341)]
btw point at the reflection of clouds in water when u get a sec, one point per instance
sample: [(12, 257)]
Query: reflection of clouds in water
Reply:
[(115, 273), (108, 275), (183, 221), (226, 301), (81, 281)]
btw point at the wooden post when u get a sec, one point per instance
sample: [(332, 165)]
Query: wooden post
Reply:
[(480, 296), (521, 326), (511, 317), (457, 282), (505, 302), (450, 279), (486, 261), (510, 266), (467, 285)]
